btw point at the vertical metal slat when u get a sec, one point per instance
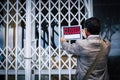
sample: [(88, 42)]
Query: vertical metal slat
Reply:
[(28, 41)]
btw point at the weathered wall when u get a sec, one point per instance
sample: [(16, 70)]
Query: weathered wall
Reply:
[(109, 13)]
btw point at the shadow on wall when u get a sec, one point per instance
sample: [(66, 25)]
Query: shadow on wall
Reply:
[(112, 34)]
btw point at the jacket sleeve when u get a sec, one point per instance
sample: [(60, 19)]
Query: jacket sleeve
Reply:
[(71, 48)]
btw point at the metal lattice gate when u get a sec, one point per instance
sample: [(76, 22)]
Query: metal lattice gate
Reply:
[(30, 38)]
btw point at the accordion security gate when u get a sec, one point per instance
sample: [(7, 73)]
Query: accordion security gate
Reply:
[(30, 34)]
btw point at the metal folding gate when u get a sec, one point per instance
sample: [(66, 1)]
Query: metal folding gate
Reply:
[(30, 34)]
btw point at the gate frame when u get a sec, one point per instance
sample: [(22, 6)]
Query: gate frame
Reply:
[(27, 57)]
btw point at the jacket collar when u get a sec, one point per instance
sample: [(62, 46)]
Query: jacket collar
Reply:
[(93, 37)]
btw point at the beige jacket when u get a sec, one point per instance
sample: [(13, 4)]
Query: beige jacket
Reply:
[(86, 51)]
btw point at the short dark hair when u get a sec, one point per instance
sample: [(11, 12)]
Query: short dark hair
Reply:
[(93, 25)]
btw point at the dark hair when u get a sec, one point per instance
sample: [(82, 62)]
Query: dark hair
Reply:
[(93, 25)]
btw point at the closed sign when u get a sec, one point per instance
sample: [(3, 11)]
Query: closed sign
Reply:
[(73, 32)]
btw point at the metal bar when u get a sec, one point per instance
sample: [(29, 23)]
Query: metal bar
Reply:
[(79, 17), (16, 40), (49, 19), (90, 3), (69, 24), (39, 40), (86, 5), (6, 69), (89, 7), (59, 39), (28, 41), (33, 24), (33, 41), (55, 71), (79, 23), (69, 13)]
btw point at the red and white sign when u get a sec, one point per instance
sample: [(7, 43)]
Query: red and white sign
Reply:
[(73, 32)]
